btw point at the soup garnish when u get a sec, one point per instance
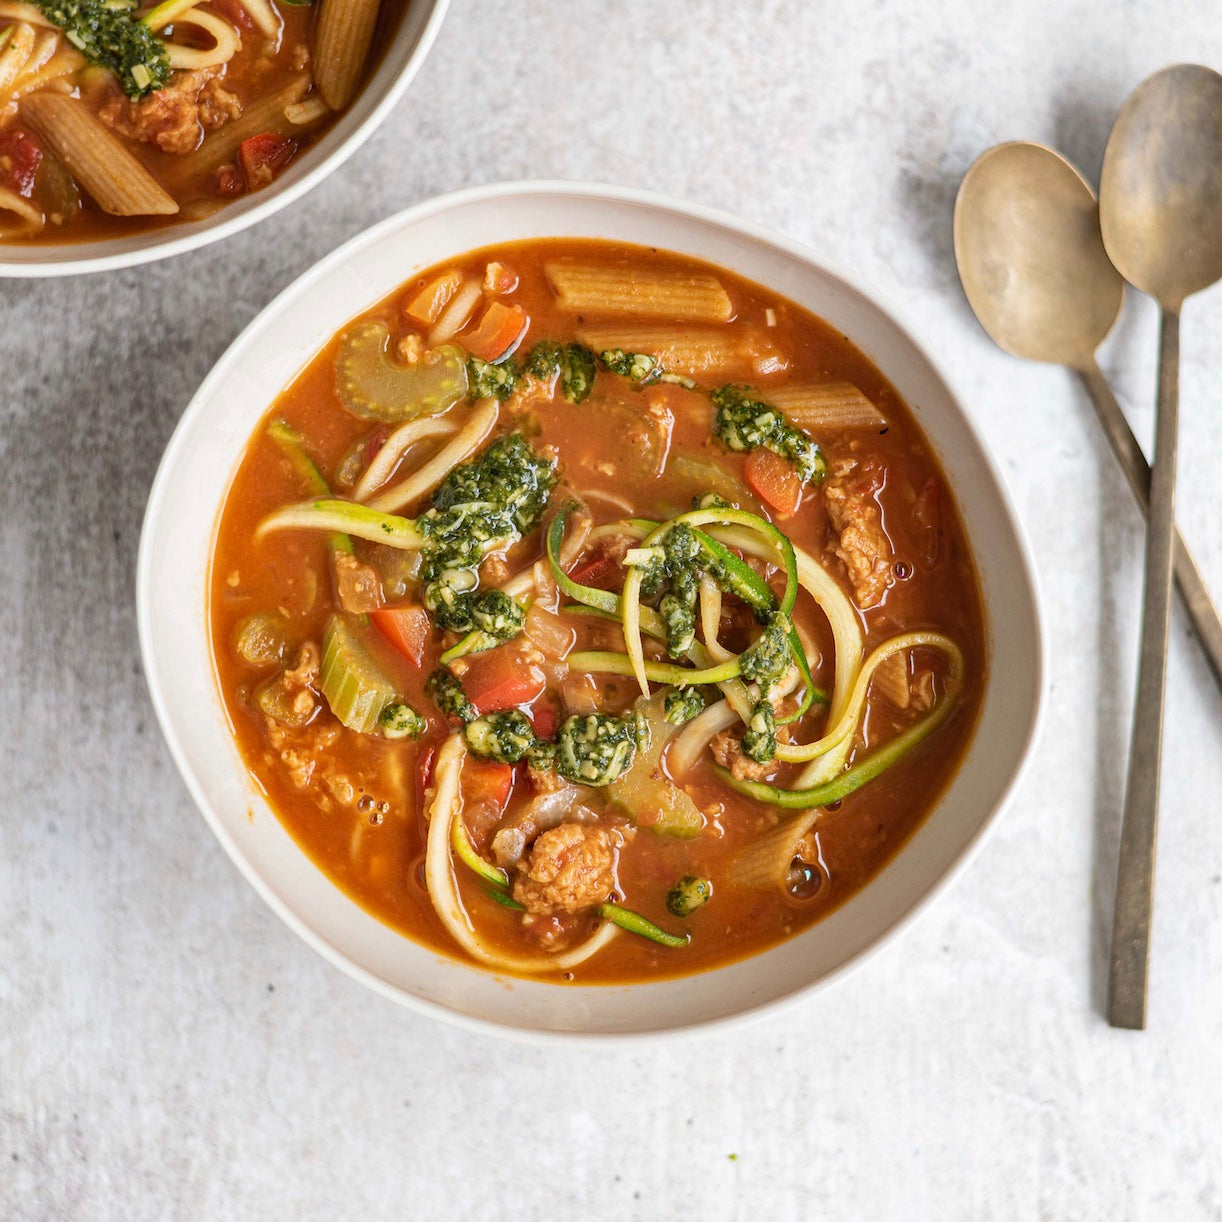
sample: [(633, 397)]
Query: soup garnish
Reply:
[(585, 609)]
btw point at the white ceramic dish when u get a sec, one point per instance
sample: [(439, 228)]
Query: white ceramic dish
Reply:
[(383, 89), (172, 583)]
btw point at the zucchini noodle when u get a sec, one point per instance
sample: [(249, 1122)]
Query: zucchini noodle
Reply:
[(31, 57), (710, 619), (468, 439), (844, 726), (847, 638), (768, 859), (396, 445), (445, 809), (225, 41), (29, 217)]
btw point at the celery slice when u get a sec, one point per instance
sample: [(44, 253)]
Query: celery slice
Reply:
[(371, 385), (646, 789), (352, 682)]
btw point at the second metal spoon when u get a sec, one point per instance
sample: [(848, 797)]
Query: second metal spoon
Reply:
[(1036, 275), (1160, 198)]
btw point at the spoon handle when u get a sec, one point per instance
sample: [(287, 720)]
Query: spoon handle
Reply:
[(1135, 878), (1200, 607)]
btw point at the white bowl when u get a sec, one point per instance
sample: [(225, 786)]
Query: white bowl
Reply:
[(172, 583), (394, 73)]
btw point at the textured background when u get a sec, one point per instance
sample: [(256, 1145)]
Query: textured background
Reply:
[(169, 1049)]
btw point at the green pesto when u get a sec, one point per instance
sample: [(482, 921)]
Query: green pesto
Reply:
[(112, 37), (744, 423), (502, 736), (447, 693), (487, 381)]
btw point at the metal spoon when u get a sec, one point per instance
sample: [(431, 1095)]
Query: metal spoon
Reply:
[(1035, 272), (1160, 213)]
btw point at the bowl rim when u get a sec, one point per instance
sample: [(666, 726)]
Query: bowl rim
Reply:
[(686, 210), (179, 243)]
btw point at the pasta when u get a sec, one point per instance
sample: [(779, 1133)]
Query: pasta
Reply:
[(597, 289), (345, 31), (96, 157), (828, 405)]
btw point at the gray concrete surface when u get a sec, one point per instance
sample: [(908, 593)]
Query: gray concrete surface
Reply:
[(169, 1050)]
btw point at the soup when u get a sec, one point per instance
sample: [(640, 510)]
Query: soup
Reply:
[(115, 118), (588, 612)]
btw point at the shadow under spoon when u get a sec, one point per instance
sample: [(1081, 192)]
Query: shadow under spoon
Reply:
[(1037, 276), (1160, 197)]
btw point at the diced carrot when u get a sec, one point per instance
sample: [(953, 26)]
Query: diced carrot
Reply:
[(501, 679), (499, 330), (486, 781), (499, 279), (774, 481), (406, 628), (426, 305)]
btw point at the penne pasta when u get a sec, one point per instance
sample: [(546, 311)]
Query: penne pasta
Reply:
[(96, 157), (813, 406), (587, 288), (697, 353), (342, 39), (221, 146)]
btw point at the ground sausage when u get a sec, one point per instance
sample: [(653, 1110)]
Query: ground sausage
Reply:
[(174, 118), (862, 543), (728, 752), (570, 868)]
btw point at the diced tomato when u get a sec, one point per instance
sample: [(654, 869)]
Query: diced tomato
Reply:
[(234, 12), (374, 442), (499, 330), (774, 481), (262, 157), (229, 182), (426, 305), (486, 781), (601, 573), (20, 157), (424, 768), (544, 719), (501, 679), (406, 628)]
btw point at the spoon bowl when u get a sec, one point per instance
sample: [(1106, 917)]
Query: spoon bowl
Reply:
[(1162, 184), (1031, 258)]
